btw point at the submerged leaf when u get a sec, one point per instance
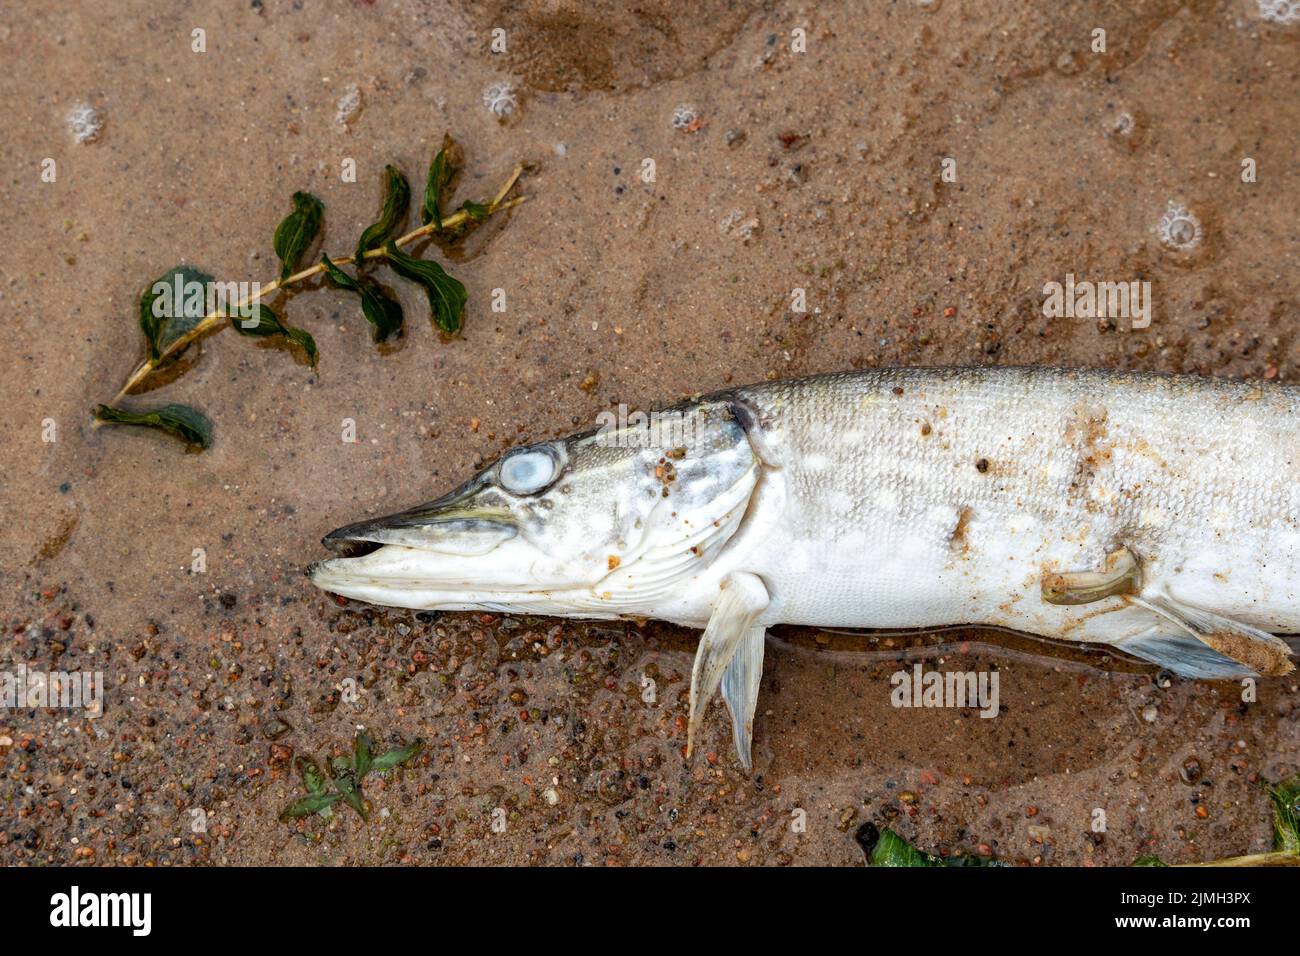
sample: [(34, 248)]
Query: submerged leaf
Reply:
[(297, 231), (395, 758), (171, 305), (302, 338), (361, 758), (446, 295), (264, 322), (343, 770), (313, 778), (181, 421), (441, 170), (887, 848), (381, 310), (475, 211), (397, 198), (308, 805), (890, 849), (1149, 861), (1286, 815)]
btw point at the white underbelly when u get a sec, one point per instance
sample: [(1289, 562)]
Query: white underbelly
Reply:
[(952, 568)]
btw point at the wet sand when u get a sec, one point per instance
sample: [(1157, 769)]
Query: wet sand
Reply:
[(819, 170)]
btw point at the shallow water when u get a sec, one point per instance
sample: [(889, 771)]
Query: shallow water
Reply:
[(818, 170)]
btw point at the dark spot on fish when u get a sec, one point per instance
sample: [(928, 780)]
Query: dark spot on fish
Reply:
[(982, 465), (898, 390), (925, 429)]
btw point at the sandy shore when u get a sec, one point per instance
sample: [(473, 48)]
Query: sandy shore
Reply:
[(809, 160)]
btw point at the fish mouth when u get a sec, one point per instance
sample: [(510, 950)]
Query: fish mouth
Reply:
[(453, 524), (465, 535), (441, 544)]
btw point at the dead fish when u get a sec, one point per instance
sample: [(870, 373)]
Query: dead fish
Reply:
[(1157, 515)]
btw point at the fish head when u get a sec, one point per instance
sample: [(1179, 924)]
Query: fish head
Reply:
[(601, 524)]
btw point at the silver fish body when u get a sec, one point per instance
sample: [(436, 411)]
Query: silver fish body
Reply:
[(1156, 514)]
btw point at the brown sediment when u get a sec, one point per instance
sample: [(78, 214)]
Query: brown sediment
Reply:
[(957, 539), (1267, 658)]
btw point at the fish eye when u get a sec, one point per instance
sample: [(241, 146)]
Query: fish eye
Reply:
[(527, 471)]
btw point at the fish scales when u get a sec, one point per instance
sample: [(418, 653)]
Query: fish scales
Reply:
[(938, 496)]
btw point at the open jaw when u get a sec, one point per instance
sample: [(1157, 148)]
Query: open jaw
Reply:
[(452, 564)]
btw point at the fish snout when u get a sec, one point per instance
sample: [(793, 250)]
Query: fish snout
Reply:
[(456, 535)]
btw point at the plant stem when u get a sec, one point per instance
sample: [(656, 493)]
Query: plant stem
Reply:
[(1276, 858), (215, 319)]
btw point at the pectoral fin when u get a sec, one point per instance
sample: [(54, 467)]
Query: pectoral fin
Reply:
[(1169, 646), (743, 598), (1120, 575), (740, 689), (1258, 652)]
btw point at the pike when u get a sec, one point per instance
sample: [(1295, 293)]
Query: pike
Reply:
[(1156, 515)]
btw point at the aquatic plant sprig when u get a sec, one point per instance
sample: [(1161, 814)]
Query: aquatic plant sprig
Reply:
[(342, 777), (887, 848), (467, 214), (172, 317)]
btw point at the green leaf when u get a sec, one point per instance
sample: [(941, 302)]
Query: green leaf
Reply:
[(181, 421), (887, 848), (171, 305), (1286, 815), (308, 805), (446, 295), (264, 322), (381, 310), (1150, 861), (397, 199), (313, 778), (343, 770), (476, 211), (395, 758), (441, 170), (297, 231), (302, 338), (892, 850), (361, 755)]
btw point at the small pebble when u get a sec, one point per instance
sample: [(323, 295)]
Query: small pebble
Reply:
[(86, 123), (349, 106)]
